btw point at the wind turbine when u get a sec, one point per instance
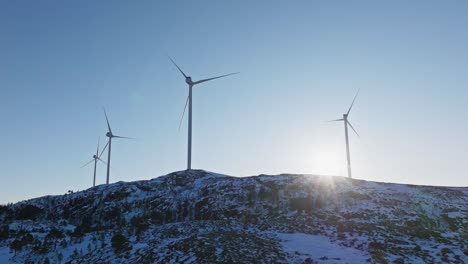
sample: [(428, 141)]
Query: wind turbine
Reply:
[(191, 83), (346, 123), (110, 135), (96, 158)]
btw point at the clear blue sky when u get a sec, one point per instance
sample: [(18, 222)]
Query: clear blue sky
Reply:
[(301, 63)]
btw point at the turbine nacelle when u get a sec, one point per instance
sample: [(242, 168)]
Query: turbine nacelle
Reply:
[(188, 80), (109, 135), (95, 157)]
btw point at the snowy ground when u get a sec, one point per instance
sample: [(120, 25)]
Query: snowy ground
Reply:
[(320, 249), (5, 255), (202, 217)]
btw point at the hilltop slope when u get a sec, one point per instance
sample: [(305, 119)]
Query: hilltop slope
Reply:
[(201, 217)]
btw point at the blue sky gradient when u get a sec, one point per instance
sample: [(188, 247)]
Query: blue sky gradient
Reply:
[(301, 63)]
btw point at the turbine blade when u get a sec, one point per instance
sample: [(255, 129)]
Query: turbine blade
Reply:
[(122, 137), (353, 128), (209, 79), (107, 120), (97, 150), (349, 110), (87, 163), (102, 151), (336, 120), (186, 102), (177, 66), (101, 161)]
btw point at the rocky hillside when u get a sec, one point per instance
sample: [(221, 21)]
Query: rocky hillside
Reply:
[(201, 217)]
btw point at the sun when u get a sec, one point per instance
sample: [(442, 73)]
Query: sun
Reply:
[(328, 161)]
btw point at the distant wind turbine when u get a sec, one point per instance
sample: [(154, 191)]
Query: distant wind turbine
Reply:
[(110, 135), (96, 158), (346, 123), (191, 83)]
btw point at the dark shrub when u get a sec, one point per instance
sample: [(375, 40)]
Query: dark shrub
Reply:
[(28, 212), (4, 232), (56, 233), (16, 245), (119, 243)]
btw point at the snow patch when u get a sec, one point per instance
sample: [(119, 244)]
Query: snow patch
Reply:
[(456, 215), (5, 255), (320, 249)]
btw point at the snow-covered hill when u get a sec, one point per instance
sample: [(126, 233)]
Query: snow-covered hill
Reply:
[(201, 217)]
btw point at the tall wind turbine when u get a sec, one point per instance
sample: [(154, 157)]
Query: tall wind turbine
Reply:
[(191, 83), (346, 123), (110, 135), (96, 158)]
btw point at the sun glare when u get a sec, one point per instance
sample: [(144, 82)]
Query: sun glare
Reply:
[(328, 161)]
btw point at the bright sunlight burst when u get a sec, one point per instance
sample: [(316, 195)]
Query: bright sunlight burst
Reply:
[(329, 161)]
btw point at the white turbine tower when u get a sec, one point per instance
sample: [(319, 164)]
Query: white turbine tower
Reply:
[(190, 84), (96, 158), (110, 135), (346, 123)]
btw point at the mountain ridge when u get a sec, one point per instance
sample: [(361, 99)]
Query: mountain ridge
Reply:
[(205, 217)]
